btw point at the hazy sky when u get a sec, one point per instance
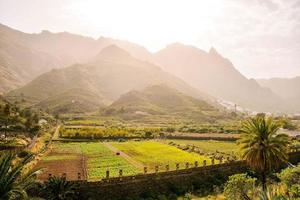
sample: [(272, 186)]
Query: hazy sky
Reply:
[(260, 37)]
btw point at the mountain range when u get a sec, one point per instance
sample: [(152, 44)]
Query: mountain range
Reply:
[(216, 75), (46, 67), (104, 79), (25, 56), (287, 88)]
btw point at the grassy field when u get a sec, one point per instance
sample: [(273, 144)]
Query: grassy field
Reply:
[(210, 146), (151, 153), (98, 158)]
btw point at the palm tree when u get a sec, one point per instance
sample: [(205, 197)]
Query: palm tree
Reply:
[(58, 188), (262, 147), (13, 182)]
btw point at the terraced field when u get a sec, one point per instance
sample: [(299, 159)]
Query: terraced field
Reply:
[(152, 153), (100, 158), (93, 159), (62, 158), (67, 158)]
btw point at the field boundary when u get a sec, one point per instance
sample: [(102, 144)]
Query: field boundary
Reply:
[(159, 183), (165, 182), (84, 167)]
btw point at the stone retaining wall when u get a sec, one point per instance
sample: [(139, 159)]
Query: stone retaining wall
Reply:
[(132, 187), (143, 185)]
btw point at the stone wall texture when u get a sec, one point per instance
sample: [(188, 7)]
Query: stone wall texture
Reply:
[(132, 187)]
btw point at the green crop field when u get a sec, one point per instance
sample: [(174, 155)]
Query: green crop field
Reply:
[(152, 153), (98, 158), (101, 158), (209, 146)]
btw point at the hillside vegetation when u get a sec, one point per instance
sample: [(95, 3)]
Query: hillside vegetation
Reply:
[(161, 100), (25, 56), (72, 101), (86, 87)]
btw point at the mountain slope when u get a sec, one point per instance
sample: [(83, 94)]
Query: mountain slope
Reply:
[(215, 75), (286, 88), (72, 101), (164, 101), (112, 73), (18, 61), (25, 56)]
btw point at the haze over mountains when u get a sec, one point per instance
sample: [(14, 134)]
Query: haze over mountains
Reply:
[(287, 88), (210, 72), (25, 56), (110, 74), (105, 69)]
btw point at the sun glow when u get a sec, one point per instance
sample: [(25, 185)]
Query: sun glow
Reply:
[(261, 38), (151, 23)]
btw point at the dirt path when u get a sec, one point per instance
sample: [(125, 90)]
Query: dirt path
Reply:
[(125, 156), (56, 133)]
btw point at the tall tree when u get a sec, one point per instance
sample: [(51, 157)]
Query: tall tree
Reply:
[(262, 146), (13, 182)]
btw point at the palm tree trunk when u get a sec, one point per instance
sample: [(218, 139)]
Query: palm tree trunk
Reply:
[(5, 129), (264, 180), (264, 177)]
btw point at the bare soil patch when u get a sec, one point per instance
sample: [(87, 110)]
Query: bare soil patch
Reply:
[(56, 165)]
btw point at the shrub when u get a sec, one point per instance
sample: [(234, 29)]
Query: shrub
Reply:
[(290, 176), (170, 130), (295, 191), (239, 186), (110, 132)]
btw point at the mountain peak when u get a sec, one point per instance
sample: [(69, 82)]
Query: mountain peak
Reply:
[(113, 52), (213, 51), (45, 32), (176, 44)]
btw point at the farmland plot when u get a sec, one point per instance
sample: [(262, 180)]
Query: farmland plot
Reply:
[(62, 158), (100, 159), (152, 153), (68, 158)]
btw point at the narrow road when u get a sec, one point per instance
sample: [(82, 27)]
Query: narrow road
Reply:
[(56, 133), (54, 136), (124, 155)]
